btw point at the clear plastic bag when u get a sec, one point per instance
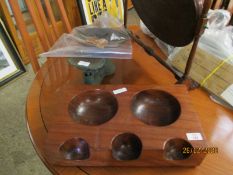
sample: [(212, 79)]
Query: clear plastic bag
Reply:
[(218, 42), (218, 19), (215, 42), (94, 41)]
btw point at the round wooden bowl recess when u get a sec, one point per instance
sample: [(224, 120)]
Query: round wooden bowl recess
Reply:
[(93, 107), (156, 107)]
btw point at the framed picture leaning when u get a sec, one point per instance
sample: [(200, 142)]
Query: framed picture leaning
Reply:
[(10, 62)]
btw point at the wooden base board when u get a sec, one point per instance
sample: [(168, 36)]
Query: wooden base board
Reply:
[(148, 126)]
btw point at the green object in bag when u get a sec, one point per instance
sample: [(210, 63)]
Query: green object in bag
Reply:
[(94, 70)]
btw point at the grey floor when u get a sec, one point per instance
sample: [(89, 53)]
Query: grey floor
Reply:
[(17, 156)]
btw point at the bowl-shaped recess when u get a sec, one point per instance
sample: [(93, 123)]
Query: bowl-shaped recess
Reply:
[(155, 107), (75, 149), (93, 107), (177, 149), (126, 146)]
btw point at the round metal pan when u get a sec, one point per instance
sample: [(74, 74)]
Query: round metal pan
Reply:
[(172, 21)]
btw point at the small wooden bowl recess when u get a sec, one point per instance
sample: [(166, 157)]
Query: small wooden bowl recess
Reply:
[(75, 149), (121, 125), (174, 149), (126, 146)]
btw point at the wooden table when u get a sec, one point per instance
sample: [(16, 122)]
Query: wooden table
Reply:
[(217, 121)]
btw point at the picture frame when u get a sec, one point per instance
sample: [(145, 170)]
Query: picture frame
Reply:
[(10, 61), (91, 9)]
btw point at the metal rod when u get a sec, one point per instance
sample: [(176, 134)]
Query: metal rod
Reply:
[(151, 52), (125, 12), (200, 30)]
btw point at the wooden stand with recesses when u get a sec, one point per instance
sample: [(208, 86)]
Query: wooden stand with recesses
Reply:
[(122, 126)]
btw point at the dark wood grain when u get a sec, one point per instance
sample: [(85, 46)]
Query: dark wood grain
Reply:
[(170, 112)]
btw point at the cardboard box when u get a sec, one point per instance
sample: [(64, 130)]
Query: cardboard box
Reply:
[(204, 65)]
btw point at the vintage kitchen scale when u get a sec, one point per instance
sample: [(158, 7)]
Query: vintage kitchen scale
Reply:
[(132, 125)]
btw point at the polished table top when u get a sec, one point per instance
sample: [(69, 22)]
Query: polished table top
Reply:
[(217, 122)]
